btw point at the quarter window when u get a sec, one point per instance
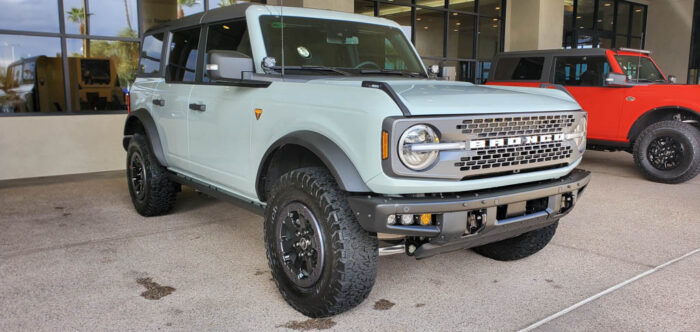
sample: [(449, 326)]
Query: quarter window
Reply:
[(520, 69), (151, 54), (183, 56), (581, 71)]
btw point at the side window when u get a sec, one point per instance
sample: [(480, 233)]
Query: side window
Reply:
[(228, 36), (183, 56), (519, 69), (151, 53), (581, 71)]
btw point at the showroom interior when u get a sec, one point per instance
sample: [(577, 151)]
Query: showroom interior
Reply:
[(76, 127)]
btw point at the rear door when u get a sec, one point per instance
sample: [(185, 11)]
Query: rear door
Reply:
[(584, 78), (180, 76), (220, 115)]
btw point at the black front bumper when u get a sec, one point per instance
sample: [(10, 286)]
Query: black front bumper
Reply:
[(506, 212)]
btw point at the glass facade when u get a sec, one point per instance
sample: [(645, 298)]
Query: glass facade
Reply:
[(694, 72), (604, 23), (461, 36), (78, 56)]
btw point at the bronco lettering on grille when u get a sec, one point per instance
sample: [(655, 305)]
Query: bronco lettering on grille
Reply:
[(514, 141)]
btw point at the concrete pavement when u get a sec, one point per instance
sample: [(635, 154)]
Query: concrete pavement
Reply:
[(72, 249)]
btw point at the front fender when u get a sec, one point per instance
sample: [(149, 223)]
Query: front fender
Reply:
[(332, 156)]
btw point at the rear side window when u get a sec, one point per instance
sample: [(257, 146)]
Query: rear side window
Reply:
[(581, 71), (519, 69), (228, 36), (151, 54), (183, 56)]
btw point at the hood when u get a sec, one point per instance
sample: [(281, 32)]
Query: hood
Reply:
[(433, 97)]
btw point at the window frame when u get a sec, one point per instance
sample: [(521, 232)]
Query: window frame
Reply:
[(197, 72), (596, 32), (555, 62)]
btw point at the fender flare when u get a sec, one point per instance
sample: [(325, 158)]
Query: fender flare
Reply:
[(143, 117), (332, 156), (643, 120)]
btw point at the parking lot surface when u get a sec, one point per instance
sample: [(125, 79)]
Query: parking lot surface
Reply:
[(75, 255)]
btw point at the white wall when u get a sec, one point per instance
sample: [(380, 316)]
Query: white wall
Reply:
[(534, 25), (32, 146), (669, 30)]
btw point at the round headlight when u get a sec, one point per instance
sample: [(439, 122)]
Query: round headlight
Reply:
[(417, 160)]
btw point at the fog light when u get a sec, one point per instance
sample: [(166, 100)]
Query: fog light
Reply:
[(406, 219), (426, 219), (391, 219)]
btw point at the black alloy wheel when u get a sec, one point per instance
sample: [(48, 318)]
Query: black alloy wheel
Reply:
[(300, 244)]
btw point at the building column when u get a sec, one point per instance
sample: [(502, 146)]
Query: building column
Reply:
[(534, 25), (337, 5)]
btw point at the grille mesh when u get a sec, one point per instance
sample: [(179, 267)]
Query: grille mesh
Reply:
[(522, 125), (523, 155)]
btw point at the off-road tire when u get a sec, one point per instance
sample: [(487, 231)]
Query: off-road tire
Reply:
[(159, 192), (685, 134), (351, 253), (519, 247)]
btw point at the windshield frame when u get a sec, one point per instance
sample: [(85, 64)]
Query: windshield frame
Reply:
[(410, 55), (642, 58)]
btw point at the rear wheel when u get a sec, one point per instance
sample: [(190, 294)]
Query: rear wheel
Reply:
[(152, 192), (668, 152), (321, 259), (521, 246)]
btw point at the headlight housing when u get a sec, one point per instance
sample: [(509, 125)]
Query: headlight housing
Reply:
[(417, 160)]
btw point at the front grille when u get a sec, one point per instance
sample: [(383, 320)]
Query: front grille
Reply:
[(521, 125), (495, 144), (523, 155)]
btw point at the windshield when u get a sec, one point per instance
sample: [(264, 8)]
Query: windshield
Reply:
[(347, 47), (642, 66)]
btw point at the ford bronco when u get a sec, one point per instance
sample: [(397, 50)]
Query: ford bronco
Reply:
[(331, 124), (632, 105)]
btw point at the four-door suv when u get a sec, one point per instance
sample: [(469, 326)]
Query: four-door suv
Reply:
[(330, 122), (631, 104)]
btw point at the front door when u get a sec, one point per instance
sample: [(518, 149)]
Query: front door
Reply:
[(584, 78), (220, 115)]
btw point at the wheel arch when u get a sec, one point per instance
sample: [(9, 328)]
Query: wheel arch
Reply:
[(308, 149), (141, 122), (661, 114)]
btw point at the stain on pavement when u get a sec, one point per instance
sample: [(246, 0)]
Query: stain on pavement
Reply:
[(309, 324), (154, 291)]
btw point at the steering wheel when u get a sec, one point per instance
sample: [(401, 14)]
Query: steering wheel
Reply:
[(365, 63)]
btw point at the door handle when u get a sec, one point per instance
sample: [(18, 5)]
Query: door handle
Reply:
[(159, 102), (198, 107)]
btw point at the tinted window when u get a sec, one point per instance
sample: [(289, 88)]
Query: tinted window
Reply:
[(151, 54), (228, 36), (519, 69), (183, 56), (581, 71)]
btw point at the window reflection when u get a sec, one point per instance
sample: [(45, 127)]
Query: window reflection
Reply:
[(98, 72), (36, 15), (460, 36), (429, 32), (31, 74), (104, 17), (223, 3), (489, 37)]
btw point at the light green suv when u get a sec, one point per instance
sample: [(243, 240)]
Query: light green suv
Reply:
[(330, 124)]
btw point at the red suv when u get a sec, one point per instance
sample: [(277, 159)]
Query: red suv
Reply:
[(631, 104)]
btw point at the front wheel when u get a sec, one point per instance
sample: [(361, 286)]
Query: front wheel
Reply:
[(152, 192), (668, 152), (321, 259)]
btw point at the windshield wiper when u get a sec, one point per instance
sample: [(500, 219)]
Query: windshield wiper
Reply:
[(312, 68), (390, 72)]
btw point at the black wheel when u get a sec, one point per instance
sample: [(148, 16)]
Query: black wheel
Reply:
[(321, 259), (668, 152), (152, 193), (521, 246)]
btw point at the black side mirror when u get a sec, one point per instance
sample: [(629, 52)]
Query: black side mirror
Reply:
[(228, 65), (615, 79)]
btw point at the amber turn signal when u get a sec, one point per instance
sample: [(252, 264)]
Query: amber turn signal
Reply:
[(426, 219), (385, 145)]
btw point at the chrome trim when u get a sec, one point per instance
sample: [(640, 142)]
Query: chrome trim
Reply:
[(438, 146)]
